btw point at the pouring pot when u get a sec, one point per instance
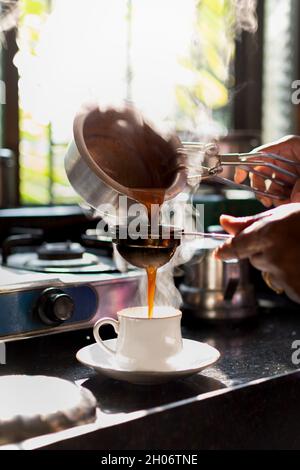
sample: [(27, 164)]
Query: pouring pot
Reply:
[(87, 177)]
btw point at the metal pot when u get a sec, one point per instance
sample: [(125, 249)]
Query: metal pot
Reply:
[(217, 290), (92, 183)]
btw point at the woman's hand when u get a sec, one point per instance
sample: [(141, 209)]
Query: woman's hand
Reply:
[(271, 241), (288, 147)]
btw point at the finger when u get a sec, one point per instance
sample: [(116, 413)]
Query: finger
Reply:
[(235, 225), (258, 183), (246, 244), (284, 193), (271, 183), (264, 176), (240, 175), (237, 249), (225, 252)]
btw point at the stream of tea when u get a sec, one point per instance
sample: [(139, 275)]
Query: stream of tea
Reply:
[(151, 275), (138, 159)]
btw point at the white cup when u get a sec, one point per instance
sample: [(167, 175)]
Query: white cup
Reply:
[(144, 343)]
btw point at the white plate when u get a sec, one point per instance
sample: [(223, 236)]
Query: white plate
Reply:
[(194, 357)]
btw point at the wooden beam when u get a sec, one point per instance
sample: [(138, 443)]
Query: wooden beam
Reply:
[(247, 100), (11, 108)]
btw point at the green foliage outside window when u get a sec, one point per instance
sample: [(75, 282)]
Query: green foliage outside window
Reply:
[(43, 180)]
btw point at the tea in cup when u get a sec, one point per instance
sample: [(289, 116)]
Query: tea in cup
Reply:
[(144, 343)]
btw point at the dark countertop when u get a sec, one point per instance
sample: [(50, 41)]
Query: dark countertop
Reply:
[(250, 351)]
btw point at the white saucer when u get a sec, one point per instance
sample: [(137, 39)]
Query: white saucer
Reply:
[(194, 357)]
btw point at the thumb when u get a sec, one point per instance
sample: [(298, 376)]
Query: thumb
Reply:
[(235, 225)]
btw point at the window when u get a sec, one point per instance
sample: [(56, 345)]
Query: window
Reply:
[(172, 58)]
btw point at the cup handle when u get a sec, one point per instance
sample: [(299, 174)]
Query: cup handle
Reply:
[(98, 324)]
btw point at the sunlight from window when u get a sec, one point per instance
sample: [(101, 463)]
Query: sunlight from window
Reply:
[(162, 55)]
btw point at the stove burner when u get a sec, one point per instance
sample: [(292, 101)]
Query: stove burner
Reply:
[(35, 263), (60, 251), (62, 257)]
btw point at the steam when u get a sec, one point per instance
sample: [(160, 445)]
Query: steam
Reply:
[(246, 19), (8, 15)]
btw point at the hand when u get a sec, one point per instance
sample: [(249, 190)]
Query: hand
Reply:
[(288, 147), (271, 241)]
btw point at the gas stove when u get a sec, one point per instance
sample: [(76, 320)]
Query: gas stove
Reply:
[(47, 288), (60, 257)]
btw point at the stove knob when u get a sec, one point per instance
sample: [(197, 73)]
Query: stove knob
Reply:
[(55, 306)]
